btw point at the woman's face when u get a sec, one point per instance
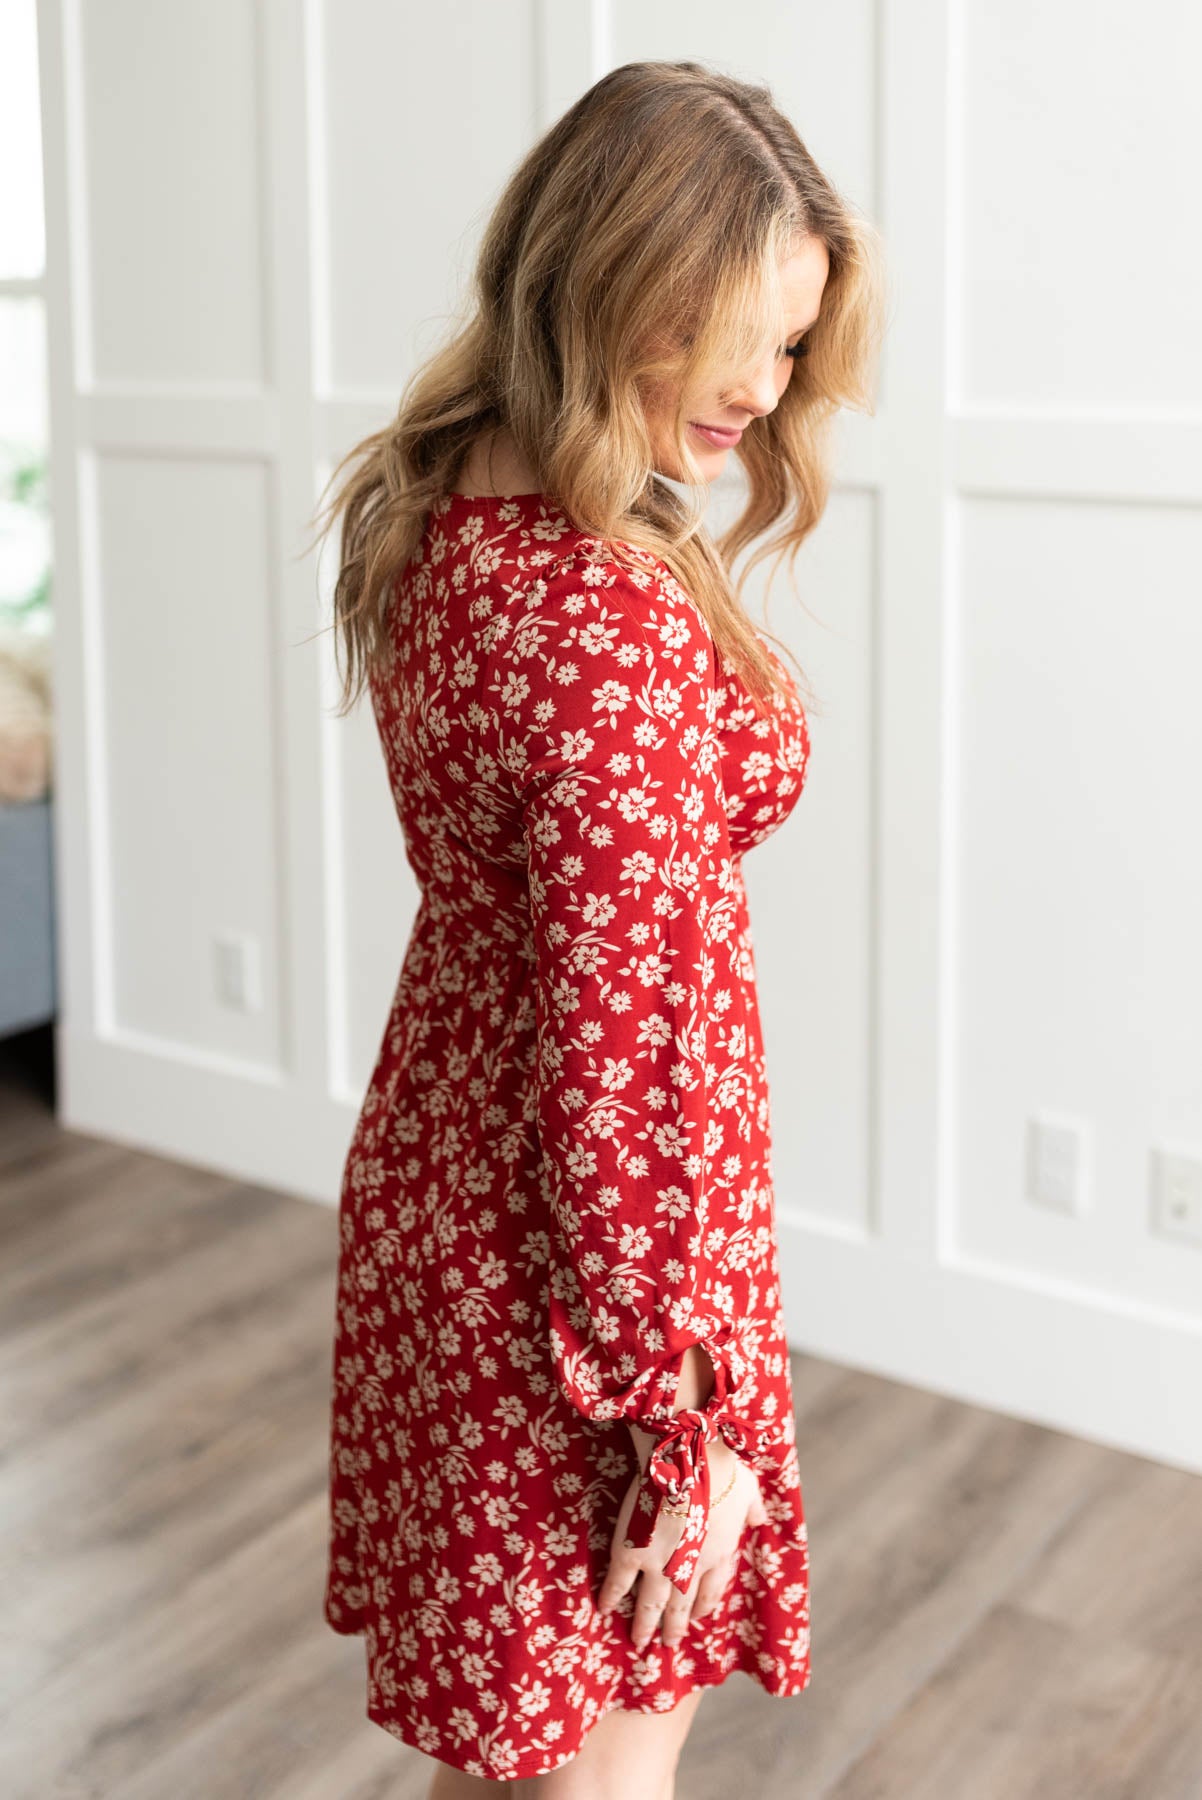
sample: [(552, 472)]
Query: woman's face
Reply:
[(727, 411)]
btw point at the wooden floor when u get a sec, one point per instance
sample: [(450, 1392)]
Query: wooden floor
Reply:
[(998, 1611)]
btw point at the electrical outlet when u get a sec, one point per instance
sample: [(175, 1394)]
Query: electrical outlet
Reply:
[(236, 971), (1058, 1158), (1177, 1194)]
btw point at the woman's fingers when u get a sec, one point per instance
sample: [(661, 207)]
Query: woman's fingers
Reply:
[(620, 1577), (678, 1612), (659, 1604), (713, 1585), (653, 1595)]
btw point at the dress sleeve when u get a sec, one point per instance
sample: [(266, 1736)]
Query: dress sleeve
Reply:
[(607, 692)]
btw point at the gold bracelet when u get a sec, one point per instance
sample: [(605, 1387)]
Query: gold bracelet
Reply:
[(682, 1512), (727, 1488)]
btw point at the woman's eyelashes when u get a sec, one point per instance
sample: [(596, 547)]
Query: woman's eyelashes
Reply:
[(800, 348)]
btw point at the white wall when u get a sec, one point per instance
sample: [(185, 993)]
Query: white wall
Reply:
[(986, 906)]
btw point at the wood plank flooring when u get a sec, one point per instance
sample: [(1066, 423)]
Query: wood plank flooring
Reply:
[(999, 1612)]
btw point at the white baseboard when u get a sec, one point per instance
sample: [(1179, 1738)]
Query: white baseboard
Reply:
[(1091, 1364), (250, 1125)]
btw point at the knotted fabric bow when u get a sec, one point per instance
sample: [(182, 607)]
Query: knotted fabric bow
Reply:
[(678, 1465)]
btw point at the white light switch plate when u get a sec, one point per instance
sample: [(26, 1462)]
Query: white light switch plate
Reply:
[(1058, 1163), (1177, 1194), (236, 971)]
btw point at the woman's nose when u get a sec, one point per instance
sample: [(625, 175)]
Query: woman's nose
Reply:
[(761, 391)]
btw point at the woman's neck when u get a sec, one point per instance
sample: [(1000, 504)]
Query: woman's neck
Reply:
[(494, 466)]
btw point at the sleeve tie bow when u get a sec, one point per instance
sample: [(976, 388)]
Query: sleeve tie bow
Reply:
[(678, 1466)]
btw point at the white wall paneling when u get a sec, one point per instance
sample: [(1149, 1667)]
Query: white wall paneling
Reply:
[(261, 215)]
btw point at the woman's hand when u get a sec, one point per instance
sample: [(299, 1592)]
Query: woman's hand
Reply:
[(657, 1599)]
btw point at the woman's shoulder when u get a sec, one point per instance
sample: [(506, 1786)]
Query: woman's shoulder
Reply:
[(509, 525), (541, 571), (625, 592), (539, 523), (622, 571)]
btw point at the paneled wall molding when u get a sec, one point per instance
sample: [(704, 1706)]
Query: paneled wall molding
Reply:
[(158, 421), (255, 230), (1104, 456)]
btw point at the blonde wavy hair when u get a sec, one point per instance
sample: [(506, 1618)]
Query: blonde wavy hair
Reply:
[(639, 243)]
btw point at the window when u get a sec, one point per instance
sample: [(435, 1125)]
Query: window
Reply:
[(25, 544)]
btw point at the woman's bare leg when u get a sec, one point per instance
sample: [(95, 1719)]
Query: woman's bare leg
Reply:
[(453, 1784), (626, 1753)]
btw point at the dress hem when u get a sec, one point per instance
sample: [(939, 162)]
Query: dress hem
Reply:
[(524, 1768)]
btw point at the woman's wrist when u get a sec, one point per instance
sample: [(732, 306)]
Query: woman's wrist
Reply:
[(643, 1441), (718, 1452), (722, 1458), (694, 1391)]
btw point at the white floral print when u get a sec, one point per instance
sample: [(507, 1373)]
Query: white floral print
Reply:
[(560, 1178)]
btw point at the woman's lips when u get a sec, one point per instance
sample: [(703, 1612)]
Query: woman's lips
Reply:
[(723, 440)]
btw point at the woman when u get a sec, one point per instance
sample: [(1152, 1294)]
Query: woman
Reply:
[(565, 1495)]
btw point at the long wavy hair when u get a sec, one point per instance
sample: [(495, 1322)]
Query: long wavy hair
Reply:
[(637, 244)]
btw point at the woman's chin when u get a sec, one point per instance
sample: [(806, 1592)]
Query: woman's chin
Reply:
[(707, 464)]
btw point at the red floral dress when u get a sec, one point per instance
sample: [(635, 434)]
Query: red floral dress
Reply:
[(560, 1178)]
